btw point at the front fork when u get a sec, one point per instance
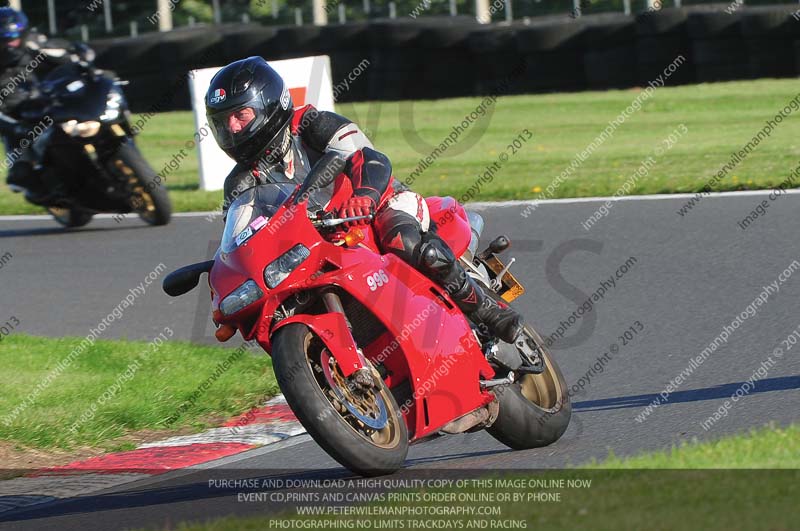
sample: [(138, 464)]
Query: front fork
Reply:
[(361, 373), (334, 331)]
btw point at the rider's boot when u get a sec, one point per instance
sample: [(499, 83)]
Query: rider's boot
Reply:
[(501, 321)]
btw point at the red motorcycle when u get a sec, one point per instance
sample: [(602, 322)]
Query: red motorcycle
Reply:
[(370, 354)]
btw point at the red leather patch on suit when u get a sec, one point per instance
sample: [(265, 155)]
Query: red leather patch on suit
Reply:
[(397, 243), (472, 298)]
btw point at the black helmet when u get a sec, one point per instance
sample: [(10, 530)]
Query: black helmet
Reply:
[(250, 110), (13, 29)]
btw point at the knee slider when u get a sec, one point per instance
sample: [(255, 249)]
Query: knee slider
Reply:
[(435, 255), (403, 241)]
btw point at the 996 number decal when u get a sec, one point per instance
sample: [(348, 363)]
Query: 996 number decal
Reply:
[(377, 280)]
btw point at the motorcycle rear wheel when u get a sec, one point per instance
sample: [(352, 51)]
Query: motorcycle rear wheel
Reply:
[(70, 217), (335, 415), (535, 410)]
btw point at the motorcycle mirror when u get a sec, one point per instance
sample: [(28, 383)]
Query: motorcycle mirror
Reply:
[(185, 279), (85, 53), (321, 175)]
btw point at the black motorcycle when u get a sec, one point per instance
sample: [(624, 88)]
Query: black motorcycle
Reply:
[(85, 153)]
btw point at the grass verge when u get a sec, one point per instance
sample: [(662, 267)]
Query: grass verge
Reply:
[(116, 389), (720, 119), (767, 447)]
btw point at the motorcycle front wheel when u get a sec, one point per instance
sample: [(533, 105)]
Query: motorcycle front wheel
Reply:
[(148, 197), (361, 429)]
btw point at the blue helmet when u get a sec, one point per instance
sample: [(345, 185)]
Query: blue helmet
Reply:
[(13, 29), (13, 24)]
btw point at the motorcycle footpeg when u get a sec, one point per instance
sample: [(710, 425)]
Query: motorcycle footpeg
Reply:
[(40, 200), (490, 384)]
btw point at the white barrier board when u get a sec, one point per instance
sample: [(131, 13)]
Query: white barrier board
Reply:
[(309, 81)]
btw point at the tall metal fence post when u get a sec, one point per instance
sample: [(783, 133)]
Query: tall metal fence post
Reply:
[(509, 11), (367, 7), (51, 16), (84, 33), (298, 16), (107, 16), (482, 13), (627, 6), (217, 11), (134, 28), (164, 15), (453, 8), (320, 15), (342, 14), (274, 8), (392, 10)]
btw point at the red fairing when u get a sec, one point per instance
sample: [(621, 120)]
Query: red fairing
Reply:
[(451, 221), (333, 328), (427, 341)]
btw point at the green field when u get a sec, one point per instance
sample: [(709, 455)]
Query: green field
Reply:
[(720, 119), (676, 496), (116, 388)]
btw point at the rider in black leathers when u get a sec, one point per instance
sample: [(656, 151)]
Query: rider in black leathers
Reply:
[(25, 58)]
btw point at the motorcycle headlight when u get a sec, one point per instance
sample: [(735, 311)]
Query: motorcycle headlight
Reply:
[(240, 298), (81, 129), (282, 267), (114, 103)]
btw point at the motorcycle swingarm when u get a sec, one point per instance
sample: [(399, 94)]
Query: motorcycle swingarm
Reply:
[(332, 330), (520, 357)]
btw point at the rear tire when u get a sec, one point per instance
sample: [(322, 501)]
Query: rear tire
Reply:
[(70, 217), (295, 350), (535, 410), (149, 196)]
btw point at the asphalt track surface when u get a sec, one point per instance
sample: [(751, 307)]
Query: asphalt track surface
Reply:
[(692, 276)]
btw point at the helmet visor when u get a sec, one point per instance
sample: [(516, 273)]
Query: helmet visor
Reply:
[(235, 126)]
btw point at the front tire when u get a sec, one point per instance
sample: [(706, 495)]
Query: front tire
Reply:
[(149, 196), (334, 414), (535, 410)]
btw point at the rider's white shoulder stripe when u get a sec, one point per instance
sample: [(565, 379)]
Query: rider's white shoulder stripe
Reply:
[(347, 140)]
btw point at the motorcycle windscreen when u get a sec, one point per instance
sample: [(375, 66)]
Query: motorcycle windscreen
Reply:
[(251, 211)]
